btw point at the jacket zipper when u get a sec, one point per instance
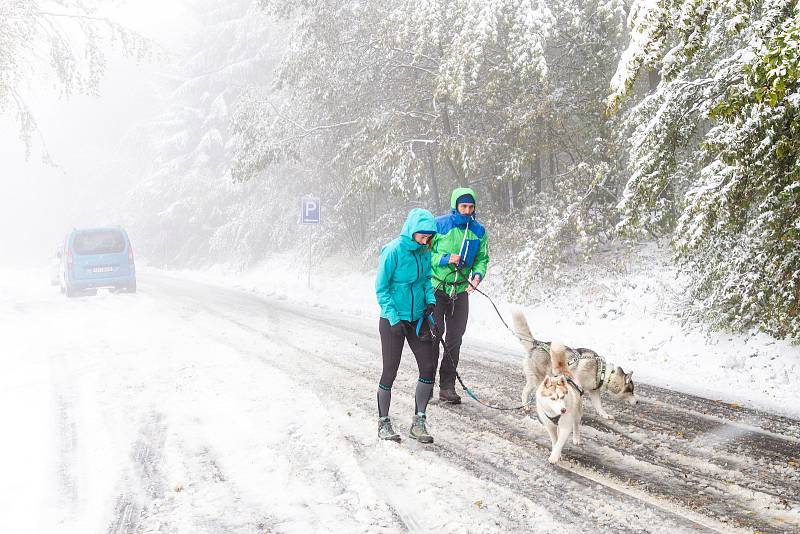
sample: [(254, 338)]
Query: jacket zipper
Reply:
[(411, 288)]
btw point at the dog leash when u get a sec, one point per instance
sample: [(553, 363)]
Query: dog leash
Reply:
[(444, 282), (467, 390)]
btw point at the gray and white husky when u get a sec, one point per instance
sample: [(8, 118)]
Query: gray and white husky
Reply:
[(588, 368), (559, 404)]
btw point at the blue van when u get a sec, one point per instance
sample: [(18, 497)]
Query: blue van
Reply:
[(97, 257)]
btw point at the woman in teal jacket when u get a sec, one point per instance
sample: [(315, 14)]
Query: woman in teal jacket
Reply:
[(405, 294)]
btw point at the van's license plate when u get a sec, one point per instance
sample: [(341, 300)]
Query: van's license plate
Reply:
[(102, 269)]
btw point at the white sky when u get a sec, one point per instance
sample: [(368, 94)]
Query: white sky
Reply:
[(39, 203)]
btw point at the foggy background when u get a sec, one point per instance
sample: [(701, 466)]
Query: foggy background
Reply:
[(93, 163), (588, 130)]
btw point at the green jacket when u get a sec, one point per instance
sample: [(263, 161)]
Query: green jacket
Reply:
[(449, 239), (403, 284)]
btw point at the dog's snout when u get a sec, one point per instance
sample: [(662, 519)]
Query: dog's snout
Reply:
[(563, 410)]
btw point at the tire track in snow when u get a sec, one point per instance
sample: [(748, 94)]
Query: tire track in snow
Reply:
[(748, 497), (147, 484), (64, 396), (401, 519), (690, 438), (529, 478), (208, 484), (719, 479)]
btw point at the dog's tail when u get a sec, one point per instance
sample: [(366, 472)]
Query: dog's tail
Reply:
[(558, 358), (522, 330)]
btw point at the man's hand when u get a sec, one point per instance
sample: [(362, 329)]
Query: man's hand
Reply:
[(476, 279), (428, 311), (454, 259)]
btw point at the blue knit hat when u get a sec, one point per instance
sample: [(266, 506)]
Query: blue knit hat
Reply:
[(465, 199)]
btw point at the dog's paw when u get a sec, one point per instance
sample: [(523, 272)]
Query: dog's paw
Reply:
[(526, 409), (576, 440), (553, 459)]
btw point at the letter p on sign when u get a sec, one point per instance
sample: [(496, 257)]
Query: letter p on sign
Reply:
[(309, 211)]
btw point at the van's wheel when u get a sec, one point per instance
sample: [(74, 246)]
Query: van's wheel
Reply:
[(132, 288), (60, 288), (71, 293)]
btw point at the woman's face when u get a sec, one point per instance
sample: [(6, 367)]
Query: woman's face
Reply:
[(422, 239)]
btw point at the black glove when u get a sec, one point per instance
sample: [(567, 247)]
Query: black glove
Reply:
[(398, 329), (428, 310)]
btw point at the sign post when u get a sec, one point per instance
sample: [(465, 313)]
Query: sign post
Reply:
[(310, 214)]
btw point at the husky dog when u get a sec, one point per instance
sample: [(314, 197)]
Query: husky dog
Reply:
[(559, 404), (587, 367)]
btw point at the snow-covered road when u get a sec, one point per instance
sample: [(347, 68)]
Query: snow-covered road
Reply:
[(196, 408)]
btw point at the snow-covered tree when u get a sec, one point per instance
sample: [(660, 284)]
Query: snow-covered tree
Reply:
[(394, 92), (60, 40), (715, 154), (187, 209), (413, 98)]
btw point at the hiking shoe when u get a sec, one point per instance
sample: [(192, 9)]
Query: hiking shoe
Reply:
[(418, 430), (385, 430), (449, 395)]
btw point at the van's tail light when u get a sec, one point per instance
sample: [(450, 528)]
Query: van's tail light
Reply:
[(130, 254), (69, 258)]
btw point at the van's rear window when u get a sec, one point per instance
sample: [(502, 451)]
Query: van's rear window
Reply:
[(99, 242)]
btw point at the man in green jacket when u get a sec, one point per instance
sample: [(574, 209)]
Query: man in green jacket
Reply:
[(459, 261)]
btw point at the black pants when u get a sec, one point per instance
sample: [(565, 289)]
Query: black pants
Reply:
[(451, 320), (392, 349)]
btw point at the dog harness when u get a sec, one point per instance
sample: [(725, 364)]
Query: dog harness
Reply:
[(603, 376), (554, 418)]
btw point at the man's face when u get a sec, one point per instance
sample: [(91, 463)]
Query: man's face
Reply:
[(466, 208)]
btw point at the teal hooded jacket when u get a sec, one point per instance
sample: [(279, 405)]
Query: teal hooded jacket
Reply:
[(403, 284)]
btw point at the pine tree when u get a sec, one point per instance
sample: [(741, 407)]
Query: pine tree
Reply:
[(715, 153)]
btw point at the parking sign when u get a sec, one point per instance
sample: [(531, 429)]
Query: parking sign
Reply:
[(309, 210)]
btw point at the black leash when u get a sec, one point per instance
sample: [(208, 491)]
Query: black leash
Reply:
[(440, 339), (444, 282), (467, 390)]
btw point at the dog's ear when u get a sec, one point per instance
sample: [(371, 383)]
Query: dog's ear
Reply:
[(547, 382), (629, 377)]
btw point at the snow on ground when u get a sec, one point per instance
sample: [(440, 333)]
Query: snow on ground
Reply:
[(142, 406), (626, 309), (141, 413)]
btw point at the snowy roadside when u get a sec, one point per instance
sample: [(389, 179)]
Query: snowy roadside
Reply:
[(629, 316)]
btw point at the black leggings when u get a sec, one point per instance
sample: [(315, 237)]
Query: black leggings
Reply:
[(392, 349)]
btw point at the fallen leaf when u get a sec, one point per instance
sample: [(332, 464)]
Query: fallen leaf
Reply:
[(479, 504)]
